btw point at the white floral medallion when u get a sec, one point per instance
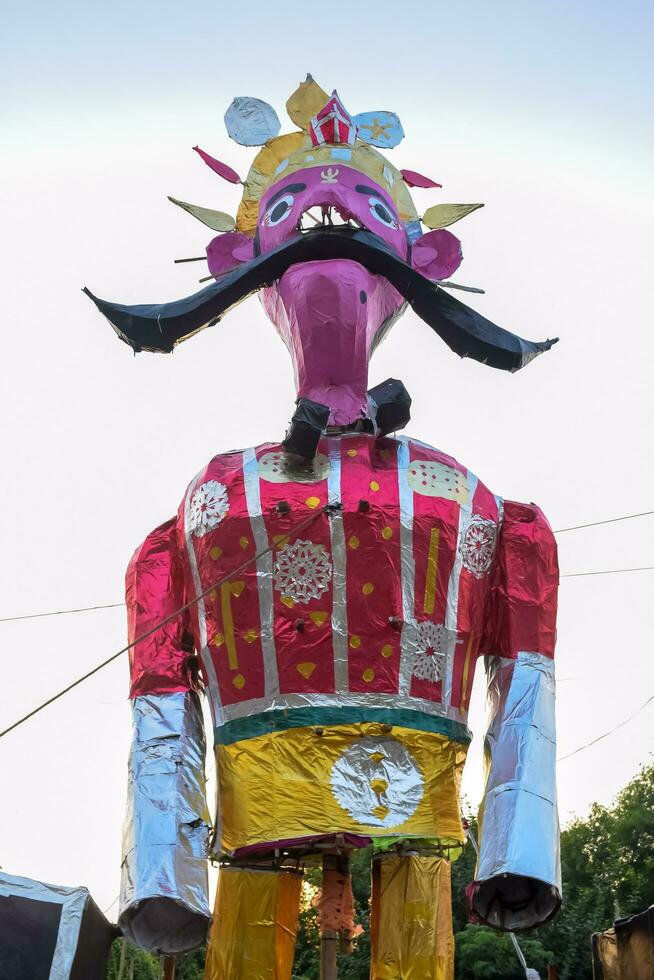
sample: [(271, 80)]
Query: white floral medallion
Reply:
[(208, 507), (377, 781), (477, 545), (303, 571), (430, 657)]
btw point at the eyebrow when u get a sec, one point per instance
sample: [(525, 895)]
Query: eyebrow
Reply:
[(289, 189), (364, 189)]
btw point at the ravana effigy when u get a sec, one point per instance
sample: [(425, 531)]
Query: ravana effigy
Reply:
[(331, 594)]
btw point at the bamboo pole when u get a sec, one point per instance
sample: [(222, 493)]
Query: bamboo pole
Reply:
[(168, 968), (329, 938)]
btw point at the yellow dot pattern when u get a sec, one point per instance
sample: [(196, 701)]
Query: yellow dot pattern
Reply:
[(312, 502), (239, 681), (368, 588), (355, 641), (215, 553), (353, 542), (374, 486), (368, 675), (387, 650), (387, 533), (243, 542), (352, 453)]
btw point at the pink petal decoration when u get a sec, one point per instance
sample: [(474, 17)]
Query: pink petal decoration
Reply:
[(220, 168), (227, 251), (437, 254), (414, 179)]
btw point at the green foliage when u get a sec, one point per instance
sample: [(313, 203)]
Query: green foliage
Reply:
[(140, 965), (482, 954), (608, 871)]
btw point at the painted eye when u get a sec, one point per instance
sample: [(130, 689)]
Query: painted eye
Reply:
[(279, 211), (379, 210)]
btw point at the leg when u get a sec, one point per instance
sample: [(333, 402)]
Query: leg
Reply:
[(254, 925), (411, 923)]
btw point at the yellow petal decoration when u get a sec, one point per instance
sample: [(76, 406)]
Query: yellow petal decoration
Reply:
[(217, 220), (442, 215), (306, 102)]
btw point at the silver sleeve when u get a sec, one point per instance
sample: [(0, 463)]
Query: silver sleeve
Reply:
[(164, 887), (518, 877)]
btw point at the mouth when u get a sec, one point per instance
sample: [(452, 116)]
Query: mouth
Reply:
[(327, 216), (160, 327)]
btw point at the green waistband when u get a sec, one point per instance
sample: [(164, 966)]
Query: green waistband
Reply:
[(279, 720)]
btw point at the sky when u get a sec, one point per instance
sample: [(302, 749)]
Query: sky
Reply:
[(542, 111)]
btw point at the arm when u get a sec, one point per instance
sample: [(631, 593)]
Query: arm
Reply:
[(518, 879), (164, 890)]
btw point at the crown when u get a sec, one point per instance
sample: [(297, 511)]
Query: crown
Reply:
[(333, 124)]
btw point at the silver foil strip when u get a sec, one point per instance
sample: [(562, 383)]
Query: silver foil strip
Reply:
[(518, 877), (164, 888)]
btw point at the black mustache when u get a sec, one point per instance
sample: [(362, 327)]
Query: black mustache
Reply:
[(159, 327)]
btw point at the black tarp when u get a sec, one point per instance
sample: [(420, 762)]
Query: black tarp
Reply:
[(50, 931)]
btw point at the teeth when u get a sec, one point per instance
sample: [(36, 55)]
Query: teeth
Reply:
[(327, 215)]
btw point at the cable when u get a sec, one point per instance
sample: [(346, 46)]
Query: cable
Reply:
[(116, 605), (164, 622), (61, 612), (610, 732), (577, 527), (608, 571), (610, 520)]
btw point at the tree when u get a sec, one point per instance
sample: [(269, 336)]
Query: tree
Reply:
[(482, 954), (608, 871)]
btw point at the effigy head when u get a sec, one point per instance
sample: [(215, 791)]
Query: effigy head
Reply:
[(330, 311), (328, 235)]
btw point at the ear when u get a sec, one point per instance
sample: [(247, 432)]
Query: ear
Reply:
[(437, 254), (226, 252)]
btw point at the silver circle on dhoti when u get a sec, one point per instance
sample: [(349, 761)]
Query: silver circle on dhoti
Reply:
[(377, 781)]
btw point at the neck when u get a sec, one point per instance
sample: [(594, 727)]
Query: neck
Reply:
[(328, 314)]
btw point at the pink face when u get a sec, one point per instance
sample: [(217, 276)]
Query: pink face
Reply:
[(351, 194), (330, 312)]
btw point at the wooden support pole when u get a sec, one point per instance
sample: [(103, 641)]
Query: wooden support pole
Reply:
[(168, 968), (329, 938), (329, 941)]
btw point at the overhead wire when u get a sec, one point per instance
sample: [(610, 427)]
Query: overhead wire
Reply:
[(599, 738), (610, 520), (561, 530), (61, 612), (164, 622), (608, 571), (246, 564)]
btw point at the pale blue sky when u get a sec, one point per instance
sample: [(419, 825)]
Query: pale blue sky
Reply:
[(581, 70)]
